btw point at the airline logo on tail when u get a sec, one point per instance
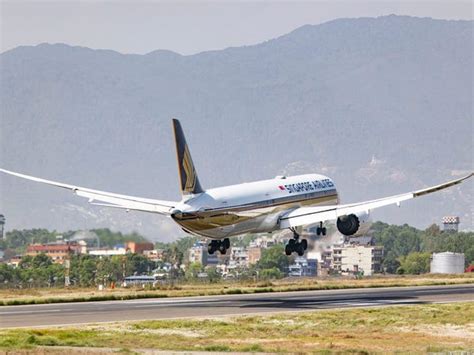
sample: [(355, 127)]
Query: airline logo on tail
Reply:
[(190, 181), (187, 172)]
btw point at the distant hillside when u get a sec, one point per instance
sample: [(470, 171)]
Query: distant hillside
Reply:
[(382, 105)]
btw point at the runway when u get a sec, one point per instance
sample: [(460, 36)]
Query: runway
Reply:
[(206, 306)]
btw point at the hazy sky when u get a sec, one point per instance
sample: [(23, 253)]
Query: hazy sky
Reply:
[(188, 27)]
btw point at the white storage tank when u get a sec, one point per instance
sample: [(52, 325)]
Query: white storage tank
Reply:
[(447, 263)]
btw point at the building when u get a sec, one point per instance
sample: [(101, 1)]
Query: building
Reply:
[(138, 248), (198, 254), (303, 267), (108, 252), (154, 255), (364, 240), (355, 258), (263, 242), (325, 263), (58, 252), (447, 263), (450, 223), (254, 253), (15, 261), (239, 258), (2, 226)]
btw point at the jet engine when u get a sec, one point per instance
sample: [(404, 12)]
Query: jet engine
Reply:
[(354, 224)]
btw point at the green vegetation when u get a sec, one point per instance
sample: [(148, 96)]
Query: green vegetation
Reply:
[(406, 251), (414, 263), (400, 241), (86, 270), (406, 329), (16, 241), (205, 288)]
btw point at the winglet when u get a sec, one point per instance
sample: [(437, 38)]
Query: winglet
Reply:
[(187, 172), (441, 186)]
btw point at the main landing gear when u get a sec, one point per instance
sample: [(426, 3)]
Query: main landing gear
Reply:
[(221, 245), (294, 245), (321, 230)]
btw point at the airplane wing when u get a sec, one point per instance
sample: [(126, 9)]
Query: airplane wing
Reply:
[(107, 199), (311, 215)]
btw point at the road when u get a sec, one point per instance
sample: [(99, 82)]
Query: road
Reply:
[(159, 308)]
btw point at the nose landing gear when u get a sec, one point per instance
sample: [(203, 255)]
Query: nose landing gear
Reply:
[(221, 245), (294, 245)]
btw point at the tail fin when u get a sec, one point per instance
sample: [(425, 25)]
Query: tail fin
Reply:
[(187, 173)]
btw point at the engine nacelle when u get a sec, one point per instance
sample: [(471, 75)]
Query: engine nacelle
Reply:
[(354, 224)]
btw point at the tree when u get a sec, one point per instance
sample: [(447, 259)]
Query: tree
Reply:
[(193, 270), (213, 274), (390, 262), (273, 273), (83, 270), (139, 264), (415, 263), (274, 257), (41, 261)]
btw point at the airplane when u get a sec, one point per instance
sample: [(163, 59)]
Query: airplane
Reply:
[(285, 202)]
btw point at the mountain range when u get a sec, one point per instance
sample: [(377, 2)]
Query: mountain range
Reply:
[(382, 105)]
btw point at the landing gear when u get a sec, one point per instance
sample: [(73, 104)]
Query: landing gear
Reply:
[(321, 230), (221, 245), (294, 245)]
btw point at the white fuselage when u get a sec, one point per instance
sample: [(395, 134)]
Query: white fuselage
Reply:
[(251, 207)]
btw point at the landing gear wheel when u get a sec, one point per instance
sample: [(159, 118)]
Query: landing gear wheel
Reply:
[(226, 243), (300, 249), (323, 230), (304, 244), (294, 245), (222, 248), (210, 249)]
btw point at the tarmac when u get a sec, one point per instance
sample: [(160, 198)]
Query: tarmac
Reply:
[(43, 315)]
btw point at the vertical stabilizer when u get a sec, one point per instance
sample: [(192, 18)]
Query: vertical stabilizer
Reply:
[(187, 172)]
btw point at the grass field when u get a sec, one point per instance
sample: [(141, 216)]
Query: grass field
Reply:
[(56, 295), (407, 329)]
